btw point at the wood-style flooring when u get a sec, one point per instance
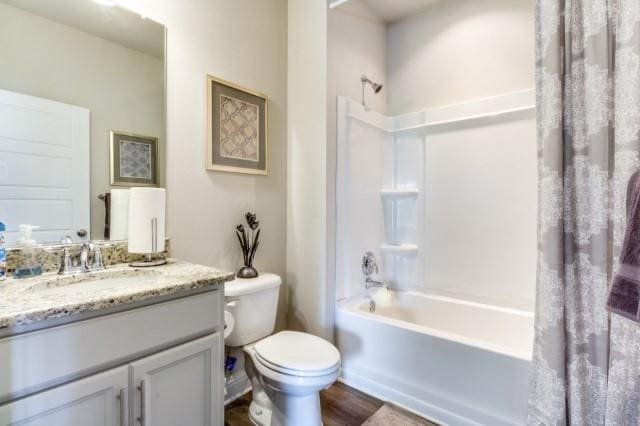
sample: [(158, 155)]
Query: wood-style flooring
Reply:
[(341, 406)]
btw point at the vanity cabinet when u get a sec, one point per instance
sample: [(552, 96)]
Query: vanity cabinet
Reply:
[(98, 400), (155, 365), (178, 386)]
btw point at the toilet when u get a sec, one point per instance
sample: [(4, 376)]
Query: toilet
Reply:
[(288, 369)]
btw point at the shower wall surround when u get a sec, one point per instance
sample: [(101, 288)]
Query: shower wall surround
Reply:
[(444, 197)]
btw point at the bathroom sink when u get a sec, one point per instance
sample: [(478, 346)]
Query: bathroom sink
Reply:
[(94, 282)]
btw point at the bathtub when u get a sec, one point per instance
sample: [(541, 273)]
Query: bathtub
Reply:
[(452, 361)]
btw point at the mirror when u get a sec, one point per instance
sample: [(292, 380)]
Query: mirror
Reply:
[(82, 112)]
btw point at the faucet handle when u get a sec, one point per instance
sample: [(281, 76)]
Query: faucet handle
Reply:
[(98, 264), (66, 266), (369, 264)]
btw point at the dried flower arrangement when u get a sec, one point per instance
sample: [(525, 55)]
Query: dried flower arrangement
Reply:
[(249, 242)]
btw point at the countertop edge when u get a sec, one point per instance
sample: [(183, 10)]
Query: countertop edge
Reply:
[(49, 316), (34, 326)]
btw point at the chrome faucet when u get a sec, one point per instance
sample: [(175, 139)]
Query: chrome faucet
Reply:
[(98, 264), (87, 248), (87, 251), (371, 283), (369, 266), (66, 264)]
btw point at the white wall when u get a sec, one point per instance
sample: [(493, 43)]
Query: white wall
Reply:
[(243, 41), (365, 157), (123, 88), (356, 45), (307, 169), (456, 51), (480, 192)]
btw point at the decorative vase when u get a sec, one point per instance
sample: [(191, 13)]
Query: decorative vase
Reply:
[(247, 272), (249, 241)]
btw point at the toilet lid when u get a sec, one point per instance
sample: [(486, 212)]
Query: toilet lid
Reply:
[(293, 352)]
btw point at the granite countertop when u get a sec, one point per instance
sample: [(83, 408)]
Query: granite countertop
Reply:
[(51, 296)]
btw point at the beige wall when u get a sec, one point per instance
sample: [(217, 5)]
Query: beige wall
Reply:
[(460, 50), (122, 88), (307, 168), (243, 41), (356, 45)]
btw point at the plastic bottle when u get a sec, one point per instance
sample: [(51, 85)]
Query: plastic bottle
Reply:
[(32, 253)]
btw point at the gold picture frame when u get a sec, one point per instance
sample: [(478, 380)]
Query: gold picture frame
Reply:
[(237, 136), (142, 153)]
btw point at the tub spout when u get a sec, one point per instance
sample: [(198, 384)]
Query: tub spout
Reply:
[(371, 283)]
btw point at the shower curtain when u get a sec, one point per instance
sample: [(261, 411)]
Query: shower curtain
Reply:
[(586, 366)]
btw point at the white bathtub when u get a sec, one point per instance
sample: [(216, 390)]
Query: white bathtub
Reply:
[(452, 361)]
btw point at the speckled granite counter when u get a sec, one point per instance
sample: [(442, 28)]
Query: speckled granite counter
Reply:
[(51, 296)]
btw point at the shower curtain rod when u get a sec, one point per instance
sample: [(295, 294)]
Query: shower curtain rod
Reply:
[(335, 3)]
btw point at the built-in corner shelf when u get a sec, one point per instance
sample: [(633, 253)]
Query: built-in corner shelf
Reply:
[(400, 249), (399, 193)]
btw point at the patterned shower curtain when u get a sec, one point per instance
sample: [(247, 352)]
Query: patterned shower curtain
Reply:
[(586, 367)]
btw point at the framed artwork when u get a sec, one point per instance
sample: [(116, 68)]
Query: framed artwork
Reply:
[(134, 159), (236, 128)]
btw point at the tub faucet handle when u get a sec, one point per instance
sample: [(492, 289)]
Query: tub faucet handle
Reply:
[(369, 264)]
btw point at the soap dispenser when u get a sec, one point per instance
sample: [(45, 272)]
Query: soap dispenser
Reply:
[(31, 262)]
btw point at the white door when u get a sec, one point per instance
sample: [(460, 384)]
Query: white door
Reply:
[(99, 400), (44, 167), (180, 386)]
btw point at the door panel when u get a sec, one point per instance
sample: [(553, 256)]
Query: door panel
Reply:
[(98, 400), (44, 166), (180, 386)]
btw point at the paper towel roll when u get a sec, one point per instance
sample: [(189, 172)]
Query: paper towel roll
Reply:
[(145, 204), (119, 222), (229, 323)]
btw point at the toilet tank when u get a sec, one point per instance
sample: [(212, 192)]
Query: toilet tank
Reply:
[(253, 302)]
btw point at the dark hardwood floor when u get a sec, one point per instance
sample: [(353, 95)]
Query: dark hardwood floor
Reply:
[(346, 406), (341, 406)]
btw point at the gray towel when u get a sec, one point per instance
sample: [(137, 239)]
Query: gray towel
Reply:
[(624, 295)]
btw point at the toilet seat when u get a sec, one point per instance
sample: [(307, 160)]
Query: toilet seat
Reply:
[(295, 373), (297, 354)]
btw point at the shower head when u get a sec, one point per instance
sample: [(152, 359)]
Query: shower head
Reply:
[(377, 87)]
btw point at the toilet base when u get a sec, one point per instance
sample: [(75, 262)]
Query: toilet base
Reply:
[(261, 405), (296, 410), (303, 411), (272, 408), (259, 415)]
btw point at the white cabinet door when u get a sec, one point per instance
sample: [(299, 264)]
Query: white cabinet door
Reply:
[(98, 400), (44, 166), (180, 386)]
